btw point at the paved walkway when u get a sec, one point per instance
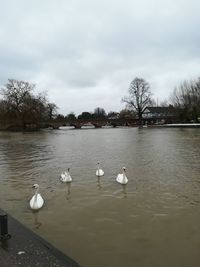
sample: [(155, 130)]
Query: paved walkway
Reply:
[(26, 249)]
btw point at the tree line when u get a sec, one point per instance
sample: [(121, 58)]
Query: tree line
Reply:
[(186, 97), (97, 114), (21, 106)]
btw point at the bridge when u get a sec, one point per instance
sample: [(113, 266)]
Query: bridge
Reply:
[(97, 123), (76, 123)]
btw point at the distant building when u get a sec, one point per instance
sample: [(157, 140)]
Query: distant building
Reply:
[(160, 115)]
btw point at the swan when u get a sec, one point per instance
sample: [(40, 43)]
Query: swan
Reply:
[(65, 177), (36, 201), (62, 176), (99, 171), (121, 177)]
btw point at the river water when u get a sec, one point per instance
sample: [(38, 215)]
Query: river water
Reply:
[(153, 221)]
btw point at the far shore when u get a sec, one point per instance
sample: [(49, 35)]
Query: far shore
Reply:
[(172, 125), (177, 125)]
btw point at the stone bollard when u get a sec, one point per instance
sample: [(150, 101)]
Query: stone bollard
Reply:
[(4, 226)]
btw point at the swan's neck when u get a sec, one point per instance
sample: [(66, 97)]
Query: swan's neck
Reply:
[(124, 176), (36, 192)]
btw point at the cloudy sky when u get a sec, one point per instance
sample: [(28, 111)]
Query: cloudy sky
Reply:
[(85, 53)]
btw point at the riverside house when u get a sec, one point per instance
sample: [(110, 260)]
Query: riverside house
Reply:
[(160, 115)]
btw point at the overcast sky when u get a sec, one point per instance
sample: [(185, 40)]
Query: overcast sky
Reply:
[(85, 53)]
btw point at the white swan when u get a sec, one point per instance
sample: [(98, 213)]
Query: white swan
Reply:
[(99, 171), (36, 201), (121, 177), (65, 177)]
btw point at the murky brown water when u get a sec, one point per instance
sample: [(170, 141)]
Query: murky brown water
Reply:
[(153, 221)]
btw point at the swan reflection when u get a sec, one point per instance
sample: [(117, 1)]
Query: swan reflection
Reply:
[(37, 223), (68, 191), (124, 191), (99, 186)]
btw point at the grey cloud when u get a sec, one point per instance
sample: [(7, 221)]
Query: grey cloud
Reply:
[(87, 52)]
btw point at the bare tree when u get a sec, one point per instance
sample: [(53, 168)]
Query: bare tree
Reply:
[(70, 117), (51, 110), (85, 116), (99, 113), (16, 92), (186, 97), (20, 105), (139, 97)]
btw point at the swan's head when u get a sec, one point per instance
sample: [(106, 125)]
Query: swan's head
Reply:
[(68, 169), (35, 186), (124, 169), (98, 163)]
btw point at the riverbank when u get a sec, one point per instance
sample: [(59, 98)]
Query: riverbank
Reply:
[(177, 125), (26, 249)]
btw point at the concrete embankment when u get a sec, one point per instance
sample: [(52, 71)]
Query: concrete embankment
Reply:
[(26, 249)]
